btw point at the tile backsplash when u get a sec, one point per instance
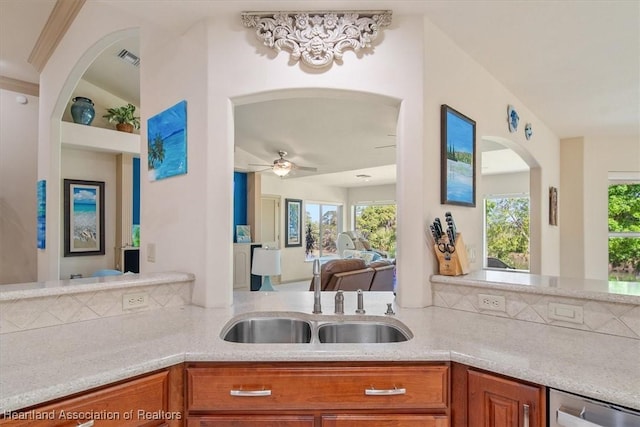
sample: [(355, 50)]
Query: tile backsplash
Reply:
[(612, 318), (30, 313)]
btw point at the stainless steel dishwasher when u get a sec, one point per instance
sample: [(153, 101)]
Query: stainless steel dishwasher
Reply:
[(570, 410)]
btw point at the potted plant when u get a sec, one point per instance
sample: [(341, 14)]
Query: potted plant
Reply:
[(123, 118)]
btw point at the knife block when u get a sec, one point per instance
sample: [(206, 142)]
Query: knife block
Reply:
[(456, 263)]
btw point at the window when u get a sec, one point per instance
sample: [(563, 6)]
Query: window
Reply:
[(624, 230), (377, 224), (323, 223), (507, 232)]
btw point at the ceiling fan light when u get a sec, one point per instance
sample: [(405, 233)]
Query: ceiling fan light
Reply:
[(281, 170)]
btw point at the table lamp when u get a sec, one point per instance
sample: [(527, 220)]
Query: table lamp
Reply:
[(266, 263)]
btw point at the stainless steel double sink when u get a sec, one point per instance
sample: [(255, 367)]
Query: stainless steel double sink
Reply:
[(301, 328)]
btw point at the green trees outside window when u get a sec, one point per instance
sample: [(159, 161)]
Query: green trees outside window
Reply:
[(377, 223), (624, 232), (507, 230)]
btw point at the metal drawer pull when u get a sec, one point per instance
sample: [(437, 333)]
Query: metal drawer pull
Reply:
[(565, 419), (250, 393), (386, 392), (525, 409), (87, 424)]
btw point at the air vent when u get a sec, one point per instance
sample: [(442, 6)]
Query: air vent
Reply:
[(129, 57)]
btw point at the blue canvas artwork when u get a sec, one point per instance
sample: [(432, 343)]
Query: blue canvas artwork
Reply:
[(167, 142), (460, 147), (42, 213)]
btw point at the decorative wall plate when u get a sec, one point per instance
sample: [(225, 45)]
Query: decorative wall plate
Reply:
[(528, 131), (512, 118)]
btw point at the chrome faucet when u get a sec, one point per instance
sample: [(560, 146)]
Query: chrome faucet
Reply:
[(317, 292), (360, 309), (339, 302)]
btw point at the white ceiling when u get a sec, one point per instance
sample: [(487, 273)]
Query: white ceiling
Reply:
[(575, 64)]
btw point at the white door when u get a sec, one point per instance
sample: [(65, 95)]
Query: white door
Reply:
[(270, 221)]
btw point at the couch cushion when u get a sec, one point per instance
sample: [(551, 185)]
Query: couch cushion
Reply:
[(334, 266)]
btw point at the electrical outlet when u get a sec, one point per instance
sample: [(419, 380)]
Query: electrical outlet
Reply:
[(492, 302), (135, 300)]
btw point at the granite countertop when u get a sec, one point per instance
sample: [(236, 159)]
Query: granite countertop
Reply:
[(44, 364), (598, 290)]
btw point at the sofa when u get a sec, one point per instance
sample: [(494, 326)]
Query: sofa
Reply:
[(352, 274)]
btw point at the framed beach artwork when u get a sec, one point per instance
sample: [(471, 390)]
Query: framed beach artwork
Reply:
[(457, 158), (83, 218), (243, 234), (293, 223), (41, 215), (167, 143)]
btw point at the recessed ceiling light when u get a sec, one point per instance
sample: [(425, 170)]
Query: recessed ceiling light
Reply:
[(129, 57)]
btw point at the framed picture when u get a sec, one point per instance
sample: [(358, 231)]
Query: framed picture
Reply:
[(553, 206), (41, 217), (457, 158), (243, 234), (83, 217), (293, 223), (167, 142)]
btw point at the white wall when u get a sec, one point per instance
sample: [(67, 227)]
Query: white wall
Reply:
[(586, 163), (18, 172), (91, 166), (504, 183), (96, 27), (218, 62), (452, 77)]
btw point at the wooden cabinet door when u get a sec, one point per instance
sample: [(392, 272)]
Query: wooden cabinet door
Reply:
[(252, 421), (140, 402), (385, 420), (494, 401)]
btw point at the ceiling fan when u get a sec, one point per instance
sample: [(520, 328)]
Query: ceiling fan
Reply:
[(282, 166)]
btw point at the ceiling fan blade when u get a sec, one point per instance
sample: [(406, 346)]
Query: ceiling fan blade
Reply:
[(385, 146), (264, 166), (305, 168)]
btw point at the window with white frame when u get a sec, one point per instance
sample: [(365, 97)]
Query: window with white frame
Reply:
[(323, 223), (624, 227)]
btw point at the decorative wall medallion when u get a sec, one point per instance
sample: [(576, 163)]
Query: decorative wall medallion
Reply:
[(317, 38), (528, 131), (512, 118)]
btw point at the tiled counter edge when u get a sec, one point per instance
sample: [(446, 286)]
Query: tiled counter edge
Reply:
[(610, 314), (37, 305)]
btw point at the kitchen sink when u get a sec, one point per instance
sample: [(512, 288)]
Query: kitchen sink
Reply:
[(268, 330), (361, 332), (302, 328)]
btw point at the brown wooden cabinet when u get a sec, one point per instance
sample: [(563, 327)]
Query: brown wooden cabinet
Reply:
[(151, 400), (482, 399), (317, 394)]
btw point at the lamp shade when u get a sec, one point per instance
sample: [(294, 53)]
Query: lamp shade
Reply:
[(266, 262)]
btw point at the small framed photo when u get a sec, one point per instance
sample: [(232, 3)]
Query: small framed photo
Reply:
[(293, 223), (83, 218), (457, 158), (243, 233)]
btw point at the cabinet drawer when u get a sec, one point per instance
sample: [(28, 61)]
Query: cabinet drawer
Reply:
[(390, 420), (292, 387), (252, 421), (134, 403)]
